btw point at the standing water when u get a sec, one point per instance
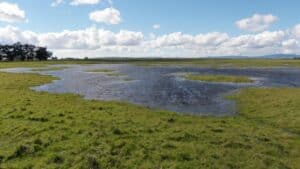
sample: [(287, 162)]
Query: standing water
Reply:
[(161, 87)]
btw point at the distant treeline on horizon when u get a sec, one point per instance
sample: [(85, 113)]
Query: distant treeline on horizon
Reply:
[(23, 52)]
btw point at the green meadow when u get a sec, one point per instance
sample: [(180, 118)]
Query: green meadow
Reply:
[(239, 63), (44, 130)]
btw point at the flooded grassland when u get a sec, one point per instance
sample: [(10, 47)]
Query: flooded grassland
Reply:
[(115, 122)]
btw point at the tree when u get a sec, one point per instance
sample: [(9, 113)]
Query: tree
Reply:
[(2, 53), (28, 52), (42, 53), (9, 51), (23, 52), (18, 52)]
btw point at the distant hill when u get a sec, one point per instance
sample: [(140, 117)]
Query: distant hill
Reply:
[(282, 56), (272, 56)]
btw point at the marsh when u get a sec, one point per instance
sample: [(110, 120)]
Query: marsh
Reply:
[(161, 87)]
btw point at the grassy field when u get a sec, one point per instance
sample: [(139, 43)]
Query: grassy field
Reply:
[(43, 130), (153, 62), (218, 78), (223, 63)]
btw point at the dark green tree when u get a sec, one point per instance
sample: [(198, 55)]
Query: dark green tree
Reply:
[(42, 53), (23, 52)]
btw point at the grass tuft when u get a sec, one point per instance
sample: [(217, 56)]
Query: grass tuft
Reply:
[(49, 69), (219, 78), (101, 71), (57, 159)]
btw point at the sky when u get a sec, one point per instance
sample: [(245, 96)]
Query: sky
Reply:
[(156, 28)]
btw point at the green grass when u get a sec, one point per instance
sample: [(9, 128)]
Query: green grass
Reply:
[(224, 63), (215, 63), (219, 78), (43, 130)]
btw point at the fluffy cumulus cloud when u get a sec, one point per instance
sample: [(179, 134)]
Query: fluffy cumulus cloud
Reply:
[(261, 40), (211, 39), (10, 34), (256, 23), (178, 39), (89, 38), (97, 42), (169, 40), (129, 38), (296, 31), (290, 46), (109, 16), (217, 43), (11, 13)]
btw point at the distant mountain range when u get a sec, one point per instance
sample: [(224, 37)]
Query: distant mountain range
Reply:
[(272, 56), (290, 56)]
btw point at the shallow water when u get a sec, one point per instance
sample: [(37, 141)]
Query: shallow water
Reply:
[(161, 87)]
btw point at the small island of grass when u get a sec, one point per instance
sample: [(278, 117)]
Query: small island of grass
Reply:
[(101, 71), (49, 69), (107, 72), (219, 78)]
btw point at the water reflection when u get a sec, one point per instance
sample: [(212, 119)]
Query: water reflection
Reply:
[(161, 87)]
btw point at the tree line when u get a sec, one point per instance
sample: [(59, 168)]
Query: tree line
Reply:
[(23, 52)]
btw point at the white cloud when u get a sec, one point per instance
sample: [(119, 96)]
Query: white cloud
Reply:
[(216, 43), (10, 34), (256, 23), (296, 31), (56, 3), (11, 13), (93, 41), (261, 40), (214, 38), (152, 36), (290, 46), (156, 26), (173, 39), (76, 2), (290, 43), (84, 2), (109, 16), (129, 38), (188, 41), (89, 38)]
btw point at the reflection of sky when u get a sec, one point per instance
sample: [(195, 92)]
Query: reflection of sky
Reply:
[(162, 88)]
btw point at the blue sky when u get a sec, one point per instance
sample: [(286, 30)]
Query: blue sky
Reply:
[(189, 17)]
